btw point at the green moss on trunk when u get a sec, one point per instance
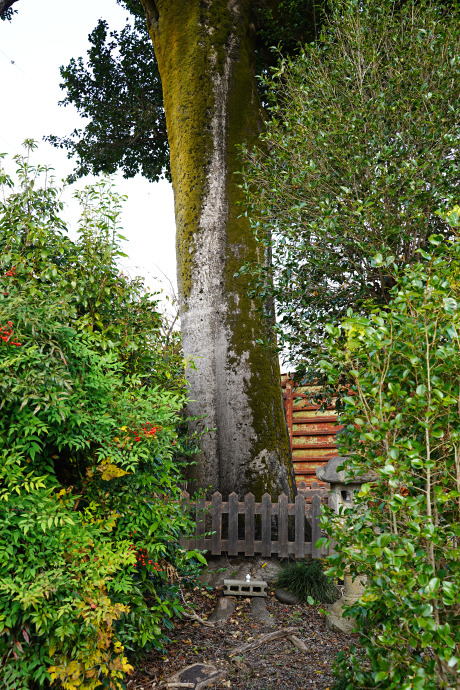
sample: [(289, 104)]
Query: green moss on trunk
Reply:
[(205, 54)]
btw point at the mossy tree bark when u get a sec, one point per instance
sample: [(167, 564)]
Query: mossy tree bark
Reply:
[(205, 55)]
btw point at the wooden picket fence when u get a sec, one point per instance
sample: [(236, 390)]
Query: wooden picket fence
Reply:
[(267, 535)]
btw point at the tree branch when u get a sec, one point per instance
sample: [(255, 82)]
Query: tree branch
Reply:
[(263, 639), (5, 5)]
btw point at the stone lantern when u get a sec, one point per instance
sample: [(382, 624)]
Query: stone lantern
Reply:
[(342, 489)]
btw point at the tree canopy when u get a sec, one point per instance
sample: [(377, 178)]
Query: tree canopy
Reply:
[(6, 9), (118, 89), (361, 152)]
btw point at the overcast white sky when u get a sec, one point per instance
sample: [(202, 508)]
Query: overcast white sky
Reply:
[(41, 37)]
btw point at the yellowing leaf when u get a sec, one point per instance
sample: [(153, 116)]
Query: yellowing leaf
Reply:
[(110, 471)]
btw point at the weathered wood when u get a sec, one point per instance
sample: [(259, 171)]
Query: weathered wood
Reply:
[(315, 526), (185, 541), (216, 517), (283, 551), (216, 544), (297, 642), (269, 637), (200, 523), (195, 617), (249, 533), (266, 526), (233, 524), (299, 526)]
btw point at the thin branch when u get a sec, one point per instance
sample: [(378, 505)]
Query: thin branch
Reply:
[(5, 6)]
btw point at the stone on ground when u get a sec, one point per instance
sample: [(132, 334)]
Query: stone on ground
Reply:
[(286, 597), (224, 609), (197, 676), (221, 568), (259, 612)]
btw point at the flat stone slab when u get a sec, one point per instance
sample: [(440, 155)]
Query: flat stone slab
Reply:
[(196, 677), (224, 609), (286, 597), (241, 588), (259, 612)]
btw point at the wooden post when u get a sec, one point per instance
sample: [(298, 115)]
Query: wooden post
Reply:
[(315, 526), (233, 524), (266, 510), (283, 549), (216, 515), (249, 532), (266, 547), (200, 523), (299, 526), (185, 542)]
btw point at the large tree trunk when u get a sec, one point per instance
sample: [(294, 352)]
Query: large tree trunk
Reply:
[(205, 55)]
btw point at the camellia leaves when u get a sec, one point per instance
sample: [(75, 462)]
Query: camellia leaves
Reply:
[(404, 528)]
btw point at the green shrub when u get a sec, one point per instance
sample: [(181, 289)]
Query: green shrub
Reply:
[(361, 151), (306, 579), (402, 422), (91, 397)]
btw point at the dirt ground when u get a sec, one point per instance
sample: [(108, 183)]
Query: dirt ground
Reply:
[(274, 664)]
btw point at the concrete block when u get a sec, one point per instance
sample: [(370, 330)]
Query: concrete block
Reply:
[(241, 588)]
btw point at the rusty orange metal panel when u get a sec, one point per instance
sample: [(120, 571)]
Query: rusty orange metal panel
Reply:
[(313, 441), (312, 431), (318, 429), (315, 415), (307, 466), (305, 453)]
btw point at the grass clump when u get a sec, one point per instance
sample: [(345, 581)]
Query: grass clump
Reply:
[(307, 580)]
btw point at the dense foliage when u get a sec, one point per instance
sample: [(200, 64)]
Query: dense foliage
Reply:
[(6, 9), (91, 396), (402, 422), (361, 150), (119, 92), (117, 88)]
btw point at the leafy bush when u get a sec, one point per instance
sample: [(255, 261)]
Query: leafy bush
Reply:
[(402, 422), (361, 151), (91, 396), (306, 579)]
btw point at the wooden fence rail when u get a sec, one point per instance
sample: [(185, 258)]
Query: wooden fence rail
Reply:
[(268, 535)]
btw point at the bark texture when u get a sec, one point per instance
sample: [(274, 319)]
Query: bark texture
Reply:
[(5, 5), (205, 55)]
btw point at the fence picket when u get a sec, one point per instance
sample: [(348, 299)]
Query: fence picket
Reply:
[(233, 524), (218, 542), (216, 517), (315, 526), (283, 549), (249, 534), (200, 523), (266, 510), (184, 541), (299, 526)]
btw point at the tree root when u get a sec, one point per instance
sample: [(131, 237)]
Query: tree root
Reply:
[(269, 637), (297, 642), (195, 617)]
